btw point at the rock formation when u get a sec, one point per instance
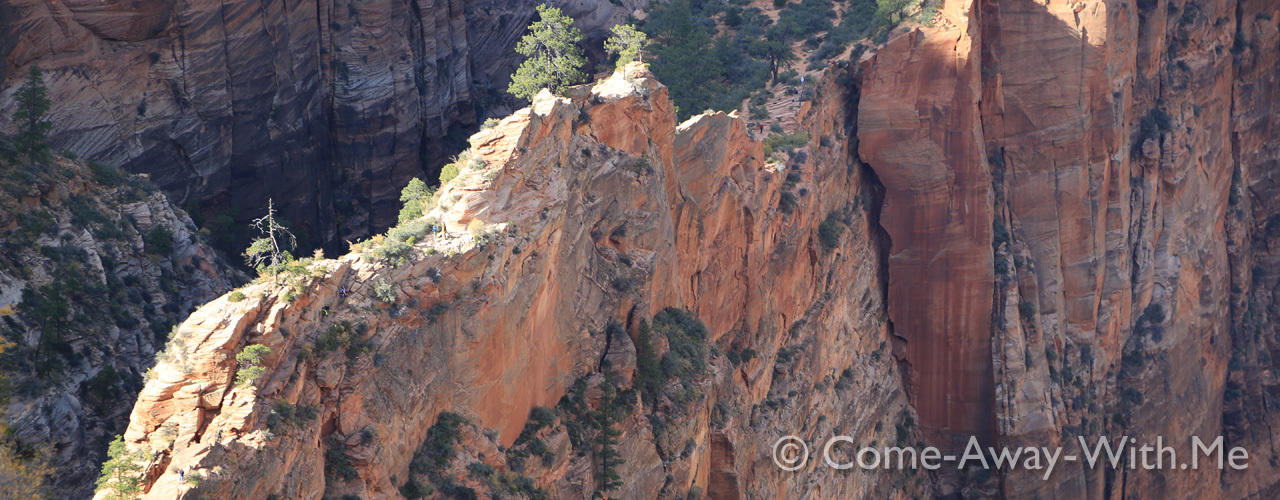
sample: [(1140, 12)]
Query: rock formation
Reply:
[(1087, 189), (1029, 223), (95, 271), (586, 217), (329, 108)]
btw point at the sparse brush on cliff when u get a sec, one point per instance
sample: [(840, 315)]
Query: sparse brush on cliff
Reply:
[(785, 142), (528, 444), (336, 462), (159, 241), (830, 229), (889, 12), (686, 359), (440, 446), (286, 415)]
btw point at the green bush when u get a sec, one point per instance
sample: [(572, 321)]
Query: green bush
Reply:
[(338, 336), (685, 360), (236, 296), (384, 291), (440, 446), (107, 175), (395, 252), (159, 241), (648, 376), (784, 141), (829, 231), (448, 173), (787, 202), (250, 361), (1000, 234), (285, 414), (103, 385), (802, 18), (417, 198), (540, 418), (336, 462)]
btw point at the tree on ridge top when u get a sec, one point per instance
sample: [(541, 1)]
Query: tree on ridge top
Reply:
[(554, 57)]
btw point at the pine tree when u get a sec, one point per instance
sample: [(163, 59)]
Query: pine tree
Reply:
[(554, 58), (33, 103), (889, 12), (627, 42), (683, 59), (415, 196), (777, 52), (121, 473), (268, 252)]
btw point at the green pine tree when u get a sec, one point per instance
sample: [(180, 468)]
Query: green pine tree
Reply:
[(627, 42), (889, 12), (33, 103), (121, 473), (416, 197), (554, 58), (683, 58)]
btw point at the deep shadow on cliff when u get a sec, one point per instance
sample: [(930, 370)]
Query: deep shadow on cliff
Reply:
[(1075, 192), (328, 108)]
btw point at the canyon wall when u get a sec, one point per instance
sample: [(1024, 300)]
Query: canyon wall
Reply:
[(96, 269), (1028, 222), (1088, 189), (329, 108)]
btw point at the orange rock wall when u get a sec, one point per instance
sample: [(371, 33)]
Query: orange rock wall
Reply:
[(1118, 157)]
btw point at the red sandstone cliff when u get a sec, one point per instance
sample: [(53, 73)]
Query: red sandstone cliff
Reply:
[(1065, 226), (1084, 187), (587, 209)]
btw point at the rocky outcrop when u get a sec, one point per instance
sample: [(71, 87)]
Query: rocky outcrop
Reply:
[(328, 108), (1064, 228), (95, 271), (583, 218), (1084, 187)]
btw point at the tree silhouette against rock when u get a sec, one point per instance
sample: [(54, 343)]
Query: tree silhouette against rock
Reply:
[(268, 252), (33, 103)]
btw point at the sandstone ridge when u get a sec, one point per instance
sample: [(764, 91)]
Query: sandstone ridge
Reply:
[(579, 212)]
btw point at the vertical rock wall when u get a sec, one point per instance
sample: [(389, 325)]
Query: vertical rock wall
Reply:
[(1119, 158)]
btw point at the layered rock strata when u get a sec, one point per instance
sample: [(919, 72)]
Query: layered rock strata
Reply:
[(329, 108)]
